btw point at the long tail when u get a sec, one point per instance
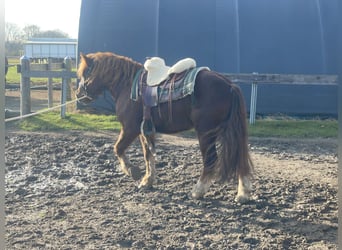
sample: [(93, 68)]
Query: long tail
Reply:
[(233, 158)]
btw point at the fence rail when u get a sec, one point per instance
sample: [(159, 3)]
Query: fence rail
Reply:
[(256, 79), (48, 74), (49, 71), (284, 79)]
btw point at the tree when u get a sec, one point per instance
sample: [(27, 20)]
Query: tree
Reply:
[(31, 31), (13, 32), (52, 34), (13, 48), (15, 36), (13, 39)]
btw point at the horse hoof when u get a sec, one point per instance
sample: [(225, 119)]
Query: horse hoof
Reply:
[(242, 199), (144, 185), (135, 172), (199, 190), (196, 195), (146, 182)]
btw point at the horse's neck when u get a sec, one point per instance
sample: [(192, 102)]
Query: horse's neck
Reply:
[(123, 84)]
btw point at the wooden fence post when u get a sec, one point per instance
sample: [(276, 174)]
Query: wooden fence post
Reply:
[(65, 84), (25, 95), (68, 67)]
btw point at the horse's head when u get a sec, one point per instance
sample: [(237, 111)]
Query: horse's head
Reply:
[(93, 75), (104, 70)]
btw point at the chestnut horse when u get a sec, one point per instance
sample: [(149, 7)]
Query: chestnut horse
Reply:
[(215, 109)]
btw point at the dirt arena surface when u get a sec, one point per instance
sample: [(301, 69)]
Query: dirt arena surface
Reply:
[(65, 191)]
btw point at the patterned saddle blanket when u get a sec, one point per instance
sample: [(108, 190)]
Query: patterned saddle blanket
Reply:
[(175, 87)]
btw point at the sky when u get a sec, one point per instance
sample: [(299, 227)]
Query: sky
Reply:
[(46, 14)]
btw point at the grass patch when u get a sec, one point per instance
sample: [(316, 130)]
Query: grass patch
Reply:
[(263, 128), (12, 77), (53, 122), (295, 128)]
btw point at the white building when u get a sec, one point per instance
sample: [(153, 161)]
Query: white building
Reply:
[(40, 48)]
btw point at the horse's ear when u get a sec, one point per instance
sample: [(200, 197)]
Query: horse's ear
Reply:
[(86, 59)]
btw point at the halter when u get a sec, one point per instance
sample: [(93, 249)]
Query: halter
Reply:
[(84, 77)]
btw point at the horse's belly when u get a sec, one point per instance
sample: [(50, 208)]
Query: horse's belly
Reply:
[(173, 118), (172, 128)]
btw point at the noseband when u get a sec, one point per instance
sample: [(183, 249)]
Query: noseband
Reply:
[(86, 76)]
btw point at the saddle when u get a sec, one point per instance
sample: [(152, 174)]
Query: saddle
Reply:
[(158, 83), (176, 86), (157, 71)]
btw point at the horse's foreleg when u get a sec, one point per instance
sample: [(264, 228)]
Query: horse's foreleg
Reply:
[(120, 146), (244, 189), (147, 143)]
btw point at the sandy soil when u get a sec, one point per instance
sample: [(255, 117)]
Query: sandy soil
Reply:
[(65, 191)]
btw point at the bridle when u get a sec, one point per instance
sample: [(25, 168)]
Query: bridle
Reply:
[(84, 77), (84, 86)]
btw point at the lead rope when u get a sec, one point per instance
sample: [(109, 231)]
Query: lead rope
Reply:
[(43, 111)]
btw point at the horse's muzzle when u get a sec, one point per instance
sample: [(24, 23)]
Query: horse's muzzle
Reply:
[(82, 95)]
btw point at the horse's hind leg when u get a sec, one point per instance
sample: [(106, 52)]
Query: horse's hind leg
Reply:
[(209, 155), (148, 145), (244, 189), (125, 139)]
